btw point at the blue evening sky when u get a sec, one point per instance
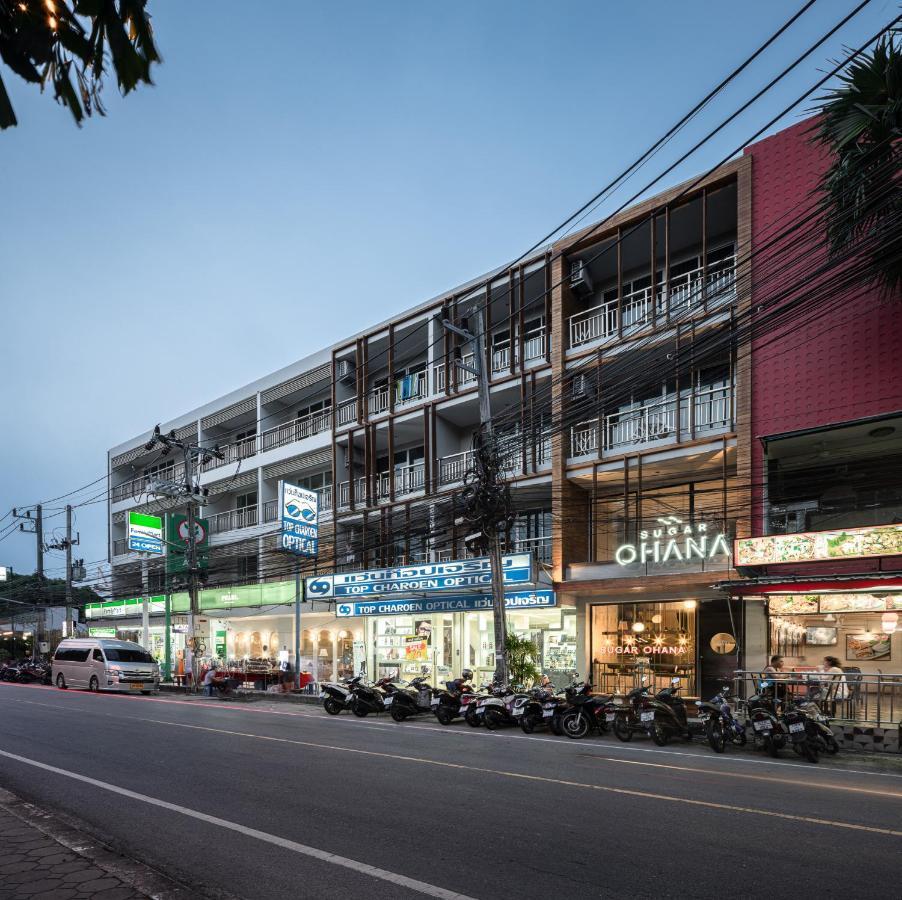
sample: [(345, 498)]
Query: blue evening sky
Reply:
[(302, 170)]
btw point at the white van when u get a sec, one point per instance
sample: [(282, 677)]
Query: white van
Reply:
[(105, 665)]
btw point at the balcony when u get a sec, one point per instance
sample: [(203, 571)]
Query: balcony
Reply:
[(539, 546), (347, 412), (704, 410), (243, 449), (296, 430), (453, 468), (408, 480), (135, 487), (233, 519), (408, 390), (686, 292)]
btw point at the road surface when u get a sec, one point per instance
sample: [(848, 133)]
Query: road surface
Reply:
[(271, 801)]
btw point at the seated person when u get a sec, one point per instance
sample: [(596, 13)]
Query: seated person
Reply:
[(212, 681)]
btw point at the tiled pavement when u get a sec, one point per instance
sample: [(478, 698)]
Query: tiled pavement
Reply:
[(44, 859)]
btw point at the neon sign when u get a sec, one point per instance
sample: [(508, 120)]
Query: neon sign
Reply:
[(674, 540)]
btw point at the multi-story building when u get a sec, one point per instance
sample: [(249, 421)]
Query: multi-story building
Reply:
[(622, 380)]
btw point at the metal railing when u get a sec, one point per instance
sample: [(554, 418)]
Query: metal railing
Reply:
[(684, 292), (453, 467), (347, 412), (408, 480), (233, 519), (296, 430), (135, 487), (702, 410), (540, 546), (242, 449), (534, 345), (854, 697)]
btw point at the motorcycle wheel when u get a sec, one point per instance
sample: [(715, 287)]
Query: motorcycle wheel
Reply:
[(575, 725), (61, 682), (332, 706), (810, 752), (397, 714), (360, 711), (556, 726), (739, 738), (493, 719), (472, 719), (527, 724), (444, 715), (831, 746), (622, 729), (716, 737), (659, 734), (771, 746)]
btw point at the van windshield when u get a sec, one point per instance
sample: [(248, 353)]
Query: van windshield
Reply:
[(123, 654)]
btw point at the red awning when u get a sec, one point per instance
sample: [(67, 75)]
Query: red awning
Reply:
[(811, 585)]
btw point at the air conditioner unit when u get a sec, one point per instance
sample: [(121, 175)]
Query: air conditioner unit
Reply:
[(345, 371), (580, 279), (582, 386)]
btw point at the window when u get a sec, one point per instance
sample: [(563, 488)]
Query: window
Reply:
[(243, 501), (317, 406), (161, 469), (72, 654), (317, 481), (97, 656), (126, 654)]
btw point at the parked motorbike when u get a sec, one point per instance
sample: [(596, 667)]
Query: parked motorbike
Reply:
[(9, 670), (541, 709), (410, 700), (335, 695), (627, 720), (797, 725), (587, 713), (451, 703), (664, 715), (368, 698), (817, 726), (32, 671), (721, 726), (768, 727), (498, 709)]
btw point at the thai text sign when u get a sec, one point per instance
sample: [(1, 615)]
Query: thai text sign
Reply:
[(449, 576), (811, 546), (464, 603)]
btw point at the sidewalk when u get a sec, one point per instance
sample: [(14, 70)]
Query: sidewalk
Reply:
[(42, 858)]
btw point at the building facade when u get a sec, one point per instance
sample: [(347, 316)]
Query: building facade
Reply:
[(624, 367)]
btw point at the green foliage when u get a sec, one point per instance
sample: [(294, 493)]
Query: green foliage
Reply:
[(859, 124), (68, 43), (49, 592), (522, 659)]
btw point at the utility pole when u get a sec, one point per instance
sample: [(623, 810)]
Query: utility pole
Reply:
[(485, 513), (191, 491), (67, 545), (37, 529)]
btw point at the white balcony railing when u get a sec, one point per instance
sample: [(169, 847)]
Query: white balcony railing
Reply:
[(408, 480), (540, 546), (347, 412), (452, 469), (683, 294), (233, 519), (296, 430), (706, 409), (243, 449), (136, 487), (534, 345)]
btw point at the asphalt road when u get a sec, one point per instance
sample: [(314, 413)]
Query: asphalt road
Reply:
[(260, 801)]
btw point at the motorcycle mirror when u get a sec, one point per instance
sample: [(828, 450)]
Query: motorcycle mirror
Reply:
[(644, 680), (675, 681)]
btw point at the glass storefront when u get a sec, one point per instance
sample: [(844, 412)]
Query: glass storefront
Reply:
[(656, 640), (441, 645)]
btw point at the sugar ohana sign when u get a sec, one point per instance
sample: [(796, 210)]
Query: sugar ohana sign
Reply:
[(674, 541)]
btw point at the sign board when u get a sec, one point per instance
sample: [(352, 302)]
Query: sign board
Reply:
[(4, 573), (133, 606), (177, 542), (99, 632), (674, 541), (449, 576), (299, 515), (811, 546), (145, 533), (463, 603)]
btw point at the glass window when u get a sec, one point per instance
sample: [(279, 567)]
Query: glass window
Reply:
[(126, 654), (97, 655)]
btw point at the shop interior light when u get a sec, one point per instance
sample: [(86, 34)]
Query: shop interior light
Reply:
[(829, 617), (656, 619), (638, 627), (690, 604), (323, 651), (889, 622)]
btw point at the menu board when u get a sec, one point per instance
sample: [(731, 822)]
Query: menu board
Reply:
[(812, 604), (810, 546)]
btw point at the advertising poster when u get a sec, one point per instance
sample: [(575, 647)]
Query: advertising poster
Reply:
[(416, 649), (867, 647)]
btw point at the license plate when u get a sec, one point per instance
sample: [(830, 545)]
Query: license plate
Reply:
[(703, 717), (795, 727), (136, 687), (436, 702), (647, 716), (519, 712), (609, 717), (387, 701), (763, 726), (546, 713)]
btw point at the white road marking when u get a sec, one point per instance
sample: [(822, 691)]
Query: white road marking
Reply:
[(421, 887)]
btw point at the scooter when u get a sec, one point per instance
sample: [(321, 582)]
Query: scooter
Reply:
[(721, 726), (768, 727), (450, 704), (818, 728), (336, 695), (540, 710), (627, 720), (412, 700), (587, 713), (368, 698), (498, 710), (664, 715)]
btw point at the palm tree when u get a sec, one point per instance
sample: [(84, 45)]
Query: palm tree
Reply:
[(861, 194)]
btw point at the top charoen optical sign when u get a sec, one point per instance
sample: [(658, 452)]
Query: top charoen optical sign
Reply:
[(300, 519), (811, 546)]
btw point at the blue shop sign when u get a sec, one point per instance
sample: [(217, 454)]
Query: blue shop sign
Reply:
[(450, 576), (462, 603)]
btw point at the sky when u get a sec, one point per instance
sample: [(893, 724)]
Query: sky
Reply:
[(302, 170)]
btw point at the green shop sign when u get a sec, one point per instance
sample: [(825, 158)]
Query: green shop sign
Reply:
[(156, 606), (177, 542), (270, 594), (102, 632)]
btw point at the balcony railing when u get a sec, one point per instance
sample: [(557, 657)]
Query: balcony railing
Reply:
[(540, 546), (120, 547), (706, 409), (534, 345), (684, 293), (243, 449), (408, 480), (233, 519), (296, 430), (347, 412), (135, 487)]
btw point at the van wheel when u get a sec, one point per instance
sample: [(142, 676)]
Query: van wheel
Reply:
[(61, 682), (94, 685)]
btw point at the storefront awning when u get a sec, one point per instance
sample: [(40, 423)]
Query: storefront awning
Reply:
[(889, 581)]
